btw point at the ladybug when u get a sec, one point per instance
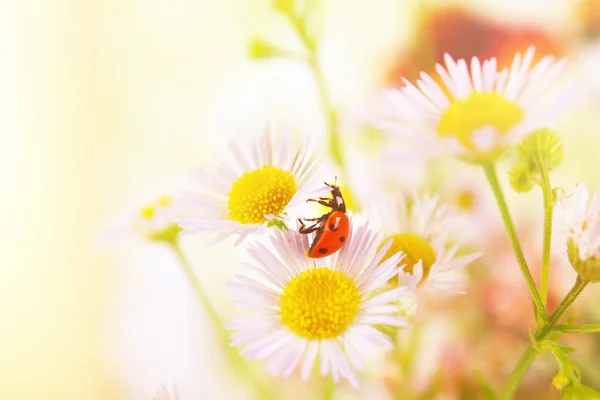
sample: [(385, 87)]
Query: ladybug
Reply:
[(332, 228)]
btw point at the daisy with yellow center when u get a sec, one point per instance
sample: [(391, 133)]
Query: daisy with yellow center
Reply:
[(156, 220), (253, 189), (300, 309), (478, 111), (578, 227), (471, 204), (421, 228)]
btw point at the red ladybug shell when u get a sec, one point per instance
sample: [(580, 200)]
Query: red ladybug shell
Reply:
[(330, 238)]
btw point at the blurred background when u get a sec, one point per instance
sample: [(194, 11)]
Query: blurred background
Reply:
[(107, 104)]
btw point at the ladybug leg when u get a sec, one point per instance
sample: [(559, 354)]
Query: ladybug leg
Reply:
[(314, 227), (322, 202), (303, 225), (304, 230), (313, 219), (310, 229)]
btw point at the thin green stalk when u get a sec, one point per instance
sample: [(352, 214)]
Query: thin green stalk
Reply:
[(205, 302), (548, 211), (328, 108), (199, 292), (330, 115), (492, 177), (239, 364), (328, 389), (530, 353), (584, 328)]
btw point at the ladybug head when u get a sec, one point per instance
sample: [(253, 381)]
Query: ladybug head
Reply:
[(337, 201)]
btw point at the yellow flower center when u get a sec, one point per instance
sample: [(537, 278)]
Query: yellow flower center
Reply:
[(478, 110), (319, 303), (415, 249), (149, 211), (168, 232), (465, 200), (263, 191), (165, 201)]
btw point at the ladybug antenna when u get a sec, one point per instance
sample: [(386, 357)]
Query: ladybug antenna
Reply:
[(331, 185)]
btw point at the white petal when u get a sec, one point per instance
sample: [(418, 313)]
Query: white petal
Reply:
[(266, 346), (383, 320), (342, 364), (309, 359), (386, 297), (352, 353), (375, 337), (325, 354)]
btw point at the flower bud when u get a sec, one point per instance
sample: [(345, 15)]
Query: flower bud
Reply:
[(588, 268), (259, 49)]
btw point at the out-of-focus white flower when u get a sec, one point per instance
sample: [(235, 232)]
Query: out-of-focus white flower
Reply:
[(154, 221), (254, 188), (163, 393), (478, 111), (578, 226), (316, 308), (471, 204), (422, 229), (364, 143), (588, 63)]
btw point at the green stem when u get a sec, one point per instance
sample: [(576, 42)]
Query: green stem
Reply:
[(328, 108), (199, 292), (328, 389), (234, 358), (330, 115), (530, 353), (584, 328), (492, 177), (548, 211)]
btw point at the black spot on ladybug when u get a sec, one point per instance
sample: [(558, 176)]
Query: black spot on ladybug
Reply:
[(322, 250), (333, 227), (342, 238)]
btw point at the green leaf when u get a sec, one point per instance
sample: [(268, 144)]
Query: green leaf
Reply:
[(520, 177), (260, 49), (580, 392), (488, 391), (285, 6), (277, 223), (533, 340), (566, 350)]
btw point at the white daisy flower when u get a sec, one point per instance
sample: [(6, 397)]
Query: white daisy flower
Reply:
[(478, 111), (308, 308), (422, 228), (165, 394), (155, 221), (254, 188), (578, 226), (588, 62), (471, 204)]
